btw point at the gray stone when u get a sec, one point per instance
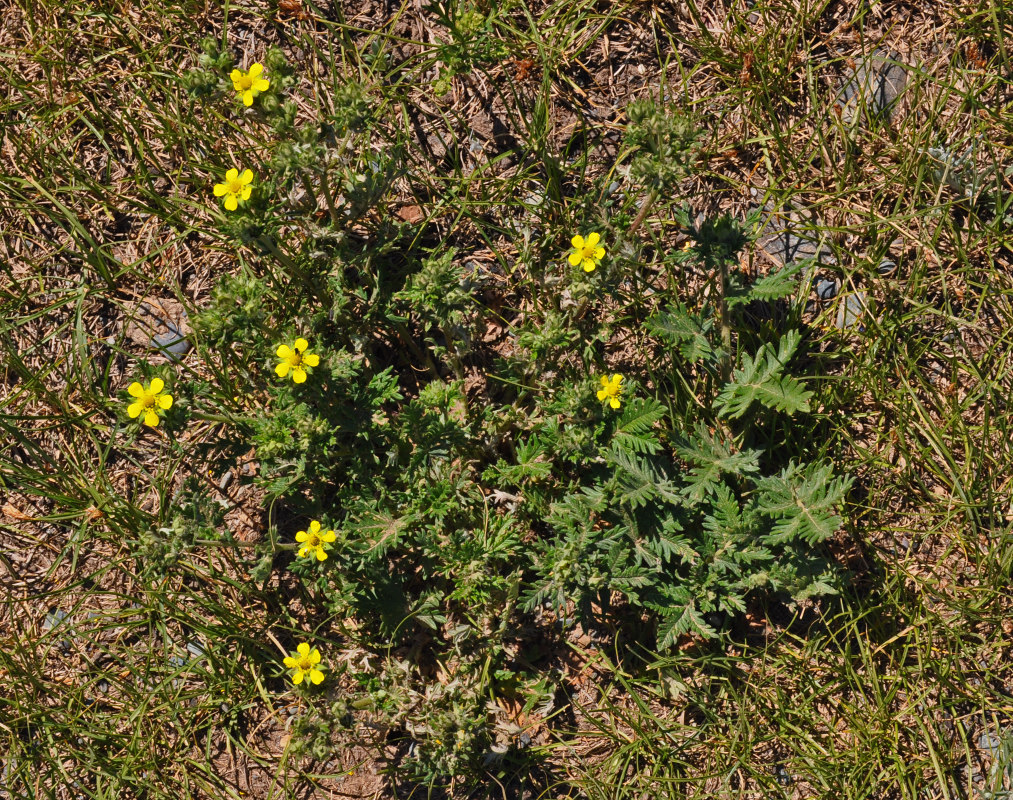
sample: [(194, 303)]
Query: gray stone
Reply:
[(172, 343), (826, 289), (851, 309), (785, 241), (872, 90)]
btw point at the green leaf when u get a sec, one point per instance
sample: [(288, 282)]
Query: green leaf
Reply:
[(711, 459), (690, 333), (761, 380), (635, 429), (801, 500), (639, 481)]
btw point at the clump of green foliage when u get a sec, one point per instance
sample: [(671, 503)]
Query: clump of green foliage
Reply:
[(455, 519)]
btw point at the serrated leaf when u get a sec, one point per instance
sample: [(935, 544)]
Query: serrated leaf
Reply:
[(634, 431), (690, 333), (771, 287), (801, 500), (639, 481), (761, 379), (710, 460)]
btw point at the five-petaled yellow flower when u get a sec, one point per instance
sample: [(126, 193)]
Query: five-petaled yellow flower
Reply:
[(315, 542), (304, 662), (249, 84), (236, 187), (586, 252), (610, 390), (150, 399), (295, 359)]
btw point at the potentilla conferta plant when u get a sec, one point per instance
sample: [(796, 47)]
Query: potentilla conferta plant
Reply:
[(150, 400), (295, 360), (314, 542), (235, 188), (586, 253), (304, 663), (249, 84)]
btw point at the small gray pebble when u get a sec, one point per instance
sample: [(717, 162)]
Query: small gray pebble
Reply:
[(872, 90), (887, 267), (850, 310), (990, 743), (826, 289), (172, 343)]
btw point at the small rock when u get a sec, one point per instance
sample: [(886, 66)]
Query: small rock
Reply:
[(159, 324), (873, 88), (887, 267), (826, 289), (850, 310), (785, 241)]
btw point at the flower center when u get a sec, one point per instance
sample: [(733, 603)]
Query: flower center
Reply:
[(588, 253), (295, 359), (313, 541), (245, 82), (235, 187), (148, 401), (304, 663)]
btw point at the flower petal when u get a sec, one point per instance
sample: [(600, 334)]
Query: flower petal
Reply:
[(282, 369), (236, 76), (301, 536), (315, 657), (316, 676), (321, 554), (589, 265), (261, 85), (602, 394), (247, 177), (156, 386), (297, 678), (299, 375), (151, 418), (135, 390), (593, 239), (248, 98), (301, 344), (303, 649), (314, 526), (134, 410), (247, 191), (573, 258), (220, 189), (165, 401), (230, 203), (311, 360), (231, 175), (255, 69), (283, 351), (599, 253), (330, 536), (614, 402), (303, 551), (577, 241), (289, 662)]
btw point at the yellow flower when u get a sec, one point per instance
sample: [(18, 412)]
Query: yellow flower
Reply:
[(235, 188), (149, 399), (610, 390), (294, 358), (249, 84), (313, 541), (586, 253), (304, 661)]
